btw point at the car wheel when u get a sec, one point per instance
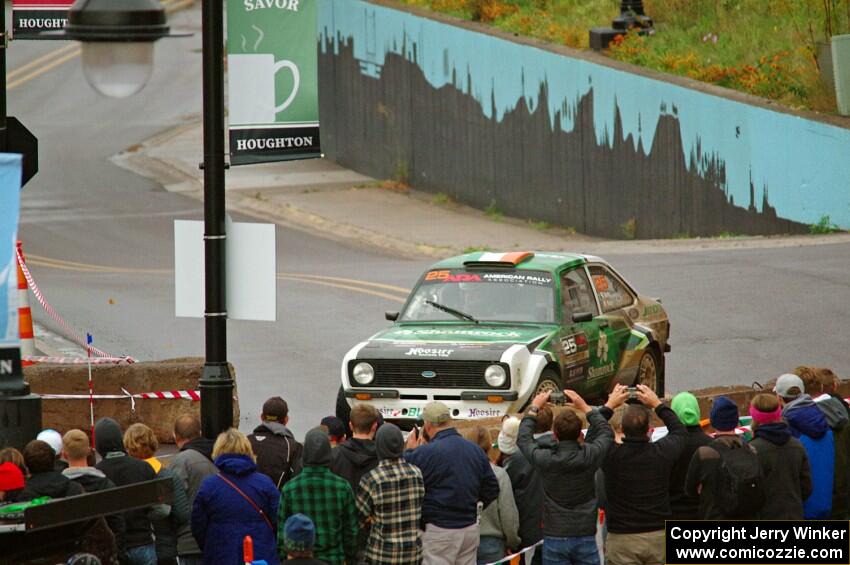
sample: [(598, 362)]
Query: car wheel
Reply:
[(343, 410), (650, 372), (549, 381)]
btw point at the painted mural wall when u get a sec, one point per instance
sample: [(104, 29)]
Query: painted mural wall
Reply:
[(548, 137)]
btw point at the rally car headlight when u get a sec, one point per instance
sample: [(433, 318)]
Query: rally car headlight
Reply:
[(363, 373), (495, 375)]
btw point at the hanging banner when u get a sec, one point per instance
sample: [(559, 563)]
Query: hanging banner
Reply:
[(272, 67), (32, 17), (10, 196)]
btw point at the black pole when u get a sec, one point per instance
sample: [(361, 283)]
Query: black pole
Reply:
[(20, 411), (216, 383)]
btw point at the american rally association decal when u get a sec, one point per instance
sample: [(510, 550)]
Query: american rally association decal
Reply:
[(530, 277)]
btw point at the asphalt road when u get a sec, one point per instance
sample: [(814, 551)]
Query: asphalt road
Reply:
[(737, 316)]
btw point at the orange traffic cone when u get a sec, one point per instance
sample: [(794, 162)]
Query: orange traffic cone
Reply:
[(25, 315)]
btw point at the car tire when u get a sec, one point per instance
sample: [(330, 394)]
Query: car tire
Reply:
[(549, 380), (343, 410), (651, 371)]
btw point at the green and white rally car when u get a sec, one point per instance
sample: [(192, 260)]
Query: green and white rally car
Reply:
[(484, 332)]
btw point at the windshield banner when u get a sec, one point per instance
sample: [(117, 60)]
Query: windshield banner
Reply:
[(536, 278), (30, 18), (273, 76)]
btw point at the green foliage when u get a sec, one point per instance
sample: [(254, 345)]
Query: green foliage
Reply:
[(766, 48), (401, 173), (823, 226), (493, 212), (442, 199), (629, 228), (541, 225)]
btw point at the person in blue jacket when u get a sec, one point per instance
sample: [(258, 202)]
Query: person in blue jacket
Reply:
[(807, 423), (239, 501)]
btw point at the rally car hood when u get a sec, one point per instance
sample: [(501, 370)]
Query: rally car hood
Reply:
[(456, 341)]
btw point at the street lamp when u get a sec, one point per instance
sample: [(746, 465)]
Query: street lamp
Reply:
[(119, 37), (117, 40)]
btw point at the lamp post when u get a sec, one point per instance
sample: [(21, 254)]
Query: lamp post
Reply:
[(117, 42), (631, 16), (20, 411)]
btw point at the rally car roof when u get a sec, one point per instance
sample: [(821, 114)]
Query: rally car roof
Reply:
[(532, 261)]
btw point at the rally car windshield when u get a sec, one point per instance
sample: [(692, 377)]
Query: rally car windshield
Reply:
[(483, 296)]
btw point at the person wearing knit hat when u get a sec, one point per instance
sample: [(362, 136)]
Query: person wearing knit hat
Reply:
[(787, 474), (11, 481), (389, 503), (326, 498), (299, 536), (701, 480), (686, 407), (525, 482)]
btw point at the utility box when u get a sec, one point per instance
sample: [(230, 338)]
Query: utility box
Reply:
[(841, 72)]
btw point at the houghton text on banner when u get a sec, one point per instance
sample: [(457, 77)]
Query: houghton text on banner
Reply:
[(31, 18), (272, 58)]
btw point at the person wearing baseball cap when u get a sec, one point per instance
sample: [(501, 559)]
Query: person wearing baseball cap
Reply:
[(54, 439), (457, 476), (278, 453), (807, 423)]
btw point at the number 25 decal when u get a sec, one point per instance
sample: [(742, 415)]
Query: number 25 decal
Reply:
[(569, 345)]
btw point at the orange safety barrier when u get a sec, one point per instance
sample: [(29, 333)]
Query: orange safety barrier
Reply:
[(25, 328)]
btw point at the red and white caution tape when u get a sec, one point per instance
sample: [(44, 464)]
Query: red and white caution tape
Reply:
[(72, 333), (76, 360), (193, 395)]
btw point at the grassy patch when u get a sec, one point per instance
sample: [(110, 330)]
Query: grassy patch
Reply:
[(823, 226), (541, 225), (442, 199), (629, 228), (493, 212), (764, 48)]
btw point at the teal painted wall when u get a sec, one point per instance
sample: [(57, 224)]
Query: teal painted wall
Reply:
[(804, 164)]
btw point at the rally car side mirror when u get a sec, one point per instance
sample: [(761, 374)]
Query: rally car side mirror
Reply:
[(391, 316), (579, 317)]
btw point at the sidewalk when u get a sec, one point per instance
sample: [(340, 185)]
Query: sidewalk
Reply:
[(319, 195)]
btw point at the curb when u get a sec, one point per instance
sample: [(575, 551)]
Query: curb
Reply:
[(176, 176)]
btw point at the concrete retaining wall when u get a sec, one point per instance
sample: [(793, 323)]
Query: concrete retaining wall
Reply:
[(175, 374), (576, 139)]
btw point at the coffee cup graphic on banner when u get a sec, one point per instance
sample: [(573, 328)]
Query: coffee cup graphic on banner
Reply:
[(252, 94)]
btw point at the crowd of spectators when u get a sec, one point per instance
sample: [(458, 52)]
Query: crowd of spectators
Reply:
[(563, 482)]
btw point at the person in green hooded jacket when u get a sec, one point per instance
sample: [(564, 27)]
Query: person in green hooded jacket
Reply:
[(686, 407)]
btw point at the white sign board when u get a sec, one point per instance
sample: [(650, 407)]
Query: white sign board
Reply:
[(251, 270)]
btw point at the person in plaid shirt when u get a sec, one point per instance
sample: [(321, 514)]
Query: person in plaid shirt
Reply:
[(390, 500), (326, 498)]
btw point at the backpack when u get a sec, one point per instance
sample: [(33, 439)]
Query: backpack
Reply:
[(739, 485)]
